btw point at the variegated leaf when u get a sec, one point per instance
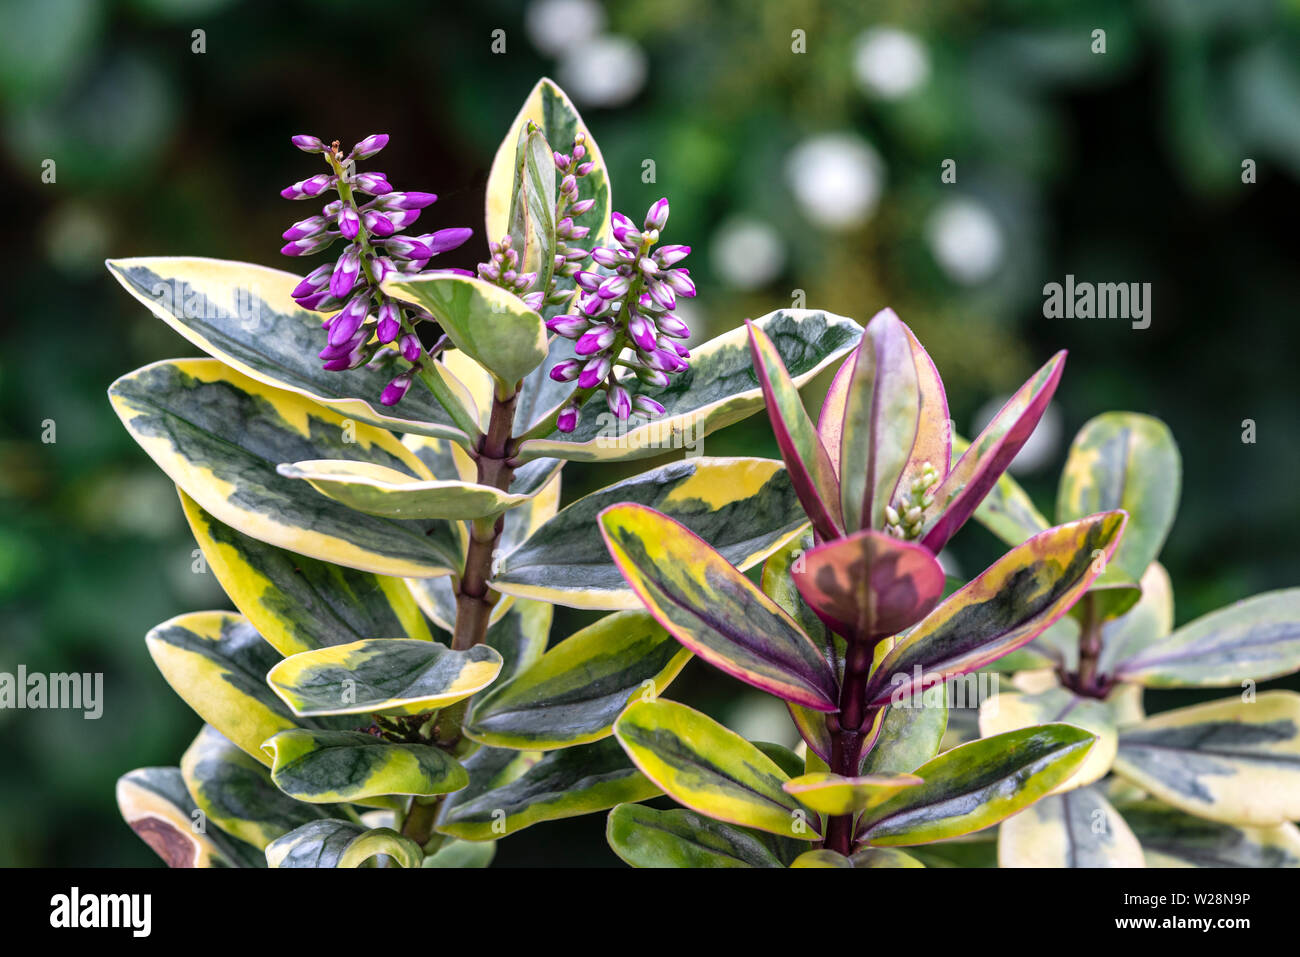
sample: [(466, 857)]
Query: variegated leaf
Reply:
[(328, 767), (1010, 711), (382, 675), (219, 435), (298, 603), (156, 805), (719, 389), (978, 784), (1171, 838), (710, 769), (1013, 601), (714, 610), (745, 508), (237, 793), (1129, 461), (341, 844), (1007, 511), (574, 693), (834, 794), (1075, 829), (243, 314), (1232, 760), (647, 837), (564, 783)]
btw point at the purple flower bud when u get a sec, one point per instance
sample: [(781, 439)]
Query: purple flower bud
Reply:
[(410, 200), (620, 403), (394, 391), (411, 347), (347, 322), (305, 228), (535, 300), (445, 240), (670, 325), (346, 272), (589, 281), (562, 161), (657, 217), (666, 256), (567, 420), (582, 206), (647, 406), (568, 327), (321, 301), (349, 222), (663, 360), (376, 184), (371, 145), (304, 189), (308, 144), (585, 168), (594, 372), (381, 267), (642, 331), (652, 377), (405, 247), (597, 340), (608, 258), (627, 236), (305, 247), (614, 287), (314, 282), (662, 293), (567, 370), (389, 322), (569, 184), (594, 306), (401, 218), (647, 266), (377, 223), (680, 281)]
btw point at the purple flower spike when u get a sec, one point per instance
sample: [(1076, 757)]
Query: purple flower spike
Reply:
[(567, 420), (567, 370), (308, 144), (597, 340), (395, 390), (371, 145)]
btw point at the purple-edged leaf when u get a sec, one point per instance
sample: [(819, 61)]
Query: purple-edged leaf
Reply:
[(976, 472), (933, 443), (1007, 606), (805, 457), (881, 412), (869, 585), (830, 421), (713, 609)]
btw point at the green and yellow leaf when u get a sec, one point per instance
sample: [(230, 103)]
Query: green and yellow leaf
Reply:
[(834, 794), (1075, 829), (574, 693), (710, 769), (329, 767), (1172, 838), (745, 508), (1011, 711), (1232, 760), (647, 837), (219, 435), (382, 675), (155, 804)]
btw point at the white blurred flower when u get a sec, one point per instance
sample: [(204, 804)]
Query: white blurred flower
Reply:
[(556, 25), (836, 179), (889, 63), (606, 70), (747, 252), (1042, 444), (966, 240)]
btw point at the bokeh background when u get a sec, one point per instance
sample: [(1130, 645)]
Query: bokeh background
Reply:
[(816, 171)]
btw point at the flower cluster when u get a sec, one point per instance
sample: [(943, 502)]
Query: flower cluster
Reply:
[(366, 325), (628, 307), (904, 519), (503, 268)]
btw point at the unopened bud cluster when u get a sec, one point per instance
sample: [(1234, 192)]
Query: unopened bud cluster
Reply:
[(365, 325), (906, 517), (628, 307), (503, 268)]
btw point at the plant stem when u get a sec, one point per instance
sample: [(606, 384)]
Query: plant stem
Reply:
[(847, 736), (1086, 679), (474, 600)]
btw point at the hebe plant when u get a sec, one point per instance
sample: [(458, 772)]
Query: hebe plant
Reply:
[(385, 692), (379, 500)]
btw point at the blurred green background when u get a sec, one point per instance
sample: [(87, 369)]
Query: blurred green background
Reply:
[(814, 173)]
